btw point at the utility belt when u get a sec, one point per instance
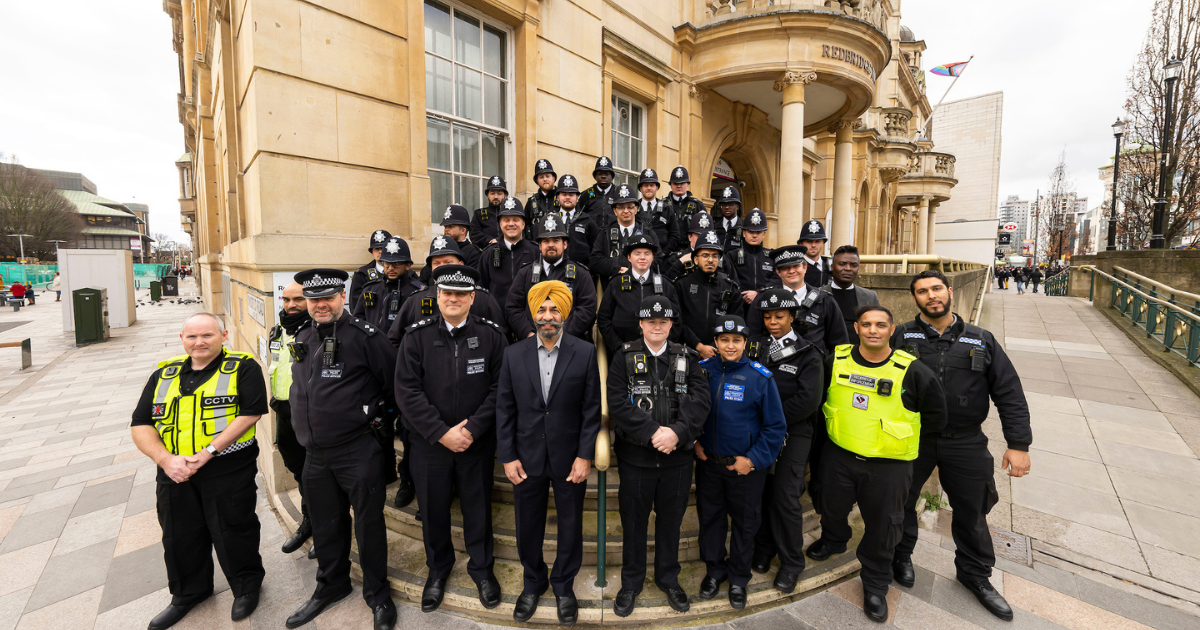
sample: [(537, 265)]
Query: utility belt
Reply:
[(960, 433), (724, 461)]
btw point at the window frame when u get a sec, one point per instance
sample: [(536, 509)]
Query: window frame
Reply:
[(630, 175)]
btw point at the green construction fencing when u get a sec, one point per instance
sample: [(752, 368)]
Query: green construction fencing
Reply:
[(43, 275)]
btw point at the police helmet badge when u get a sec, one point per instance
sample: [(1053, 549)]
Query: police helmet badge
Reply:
[(703, 221), (657, 307), (541, 164), (568, 181), (550, 223), (679, 172), (392, 247), (728, 192), (729, 324), (448, 212), (379, 236), (774, 299), (712, 237), (755, 219), (439, 242), (495, 181), (649, 173), (603, 161), (814, 227)]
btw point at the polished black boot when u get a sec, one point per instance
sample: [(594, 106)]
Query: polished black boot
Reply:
[(489, 592), (903, 572), (708, 588), (624, 603), (299, 537), (568, 609), (432, 596), (405, 494), (527, 604), (676, 598), (875, 607), (987, 595), (785, 581), (313, 607), (737, 597), (169, 616), (243, 606), (385, 616), (821, 550)]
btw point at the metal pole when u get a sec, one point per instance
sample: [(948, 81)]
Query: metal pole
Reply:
[(1037, 216), (1157, 241), (1112, 215), (925, 128)]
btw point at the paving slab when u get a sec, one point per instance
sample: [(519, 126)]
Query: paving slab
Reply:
[(1064, 610), (1072, 471), (1164, 492), (1149, 460), (1137, 608), (1147, 419), (1106, 546), (70, 574), (32, 529)]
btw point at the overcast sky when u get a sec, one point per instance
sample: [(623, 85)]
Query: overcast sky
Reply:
[(90, 86)]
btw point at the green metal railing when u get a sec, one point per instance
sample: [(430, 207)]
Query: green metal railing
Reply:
[(1057, 284), (43, 275), (1169, 316)]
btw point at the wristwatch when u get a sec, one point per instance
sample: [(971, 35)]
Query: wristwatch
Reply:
[(212, 450)]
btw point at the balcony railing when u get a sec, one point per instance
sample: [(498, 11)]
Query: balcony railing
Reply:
[(931, 164)]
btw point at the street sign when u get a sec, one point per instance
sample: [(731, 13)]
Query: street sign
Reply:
[(1005, 239), (1010, 227)]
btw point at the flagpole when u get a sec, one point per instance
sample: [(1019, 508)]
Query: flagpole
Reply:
[(939, 103)]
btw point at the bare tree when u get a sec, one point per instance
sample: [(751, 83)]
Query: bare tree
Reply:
[(29, 204), (1055, 212), (1174, 33)]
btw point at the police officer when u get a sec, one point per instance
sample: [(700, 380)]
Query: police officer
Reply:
[(580, 226), (676, 264), (423, 304), (382, 298), (446, 373), (878, 404), (607, 260), (485, 228), (456, 226), (752, 261), (597, 201), (542, 202), (659, 404), (654, 212), (680, 201), (819, 319), (812, 239), (742, 437), (552, 266), (292, 317), (972, 367), (196, 419), (343, 367), (371, 271), (797, 367), (848, 295), (618, 319), (706, 295), (501, 261), (728, 218)]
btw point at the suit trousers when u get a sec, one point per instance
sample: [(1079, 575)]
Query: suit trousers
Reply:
[(879, 486), (725, 498), (782, 529), (289, 447), (436, 469), (665, 492), (338, 479), (204, 514), (966, 470), (531, 498)]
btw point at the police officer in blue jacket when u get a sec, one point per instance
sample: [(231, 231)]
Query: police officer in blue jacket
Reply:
[(742, 437)]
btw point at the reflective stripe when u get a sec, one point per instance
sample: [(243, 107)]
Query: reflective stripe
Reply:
[(222, 421), (184, 424)]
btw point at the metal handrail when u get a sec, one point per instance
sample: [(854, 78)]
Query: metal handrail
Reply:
[(1165, 288), (943, 263), (987, 282), (1142, 294), (1128, 300)]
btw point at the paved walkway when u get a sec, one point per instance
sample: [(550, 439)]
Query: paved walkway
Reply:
[(1110, 504)]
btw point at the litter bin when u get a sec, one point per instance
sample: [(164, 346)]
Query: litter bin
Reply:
[(90, 307), (155, 290), (170, 286)]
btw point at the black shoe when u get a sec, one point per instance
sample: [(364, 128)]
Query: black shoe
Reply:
[(737, 597), (785, 581), (527, 604), (244, 605), (405, 494), (903, 572), (489, 592), (760, 563), (312, 552), (986, 594), (568, 609), (299, 537), (313, 607), (385, 616), (708, 588), (417, 516), (623, 604), (875, 607), (821, 550), (676, 598), (169, 616), (432, 596)]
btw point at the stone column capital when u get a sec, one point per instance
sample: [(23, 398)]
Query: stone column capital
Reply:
[(793, 78), (695, 92)]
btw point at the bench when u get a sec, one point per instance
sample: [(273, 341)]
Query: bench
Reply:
[(26, 351), (16, 303)]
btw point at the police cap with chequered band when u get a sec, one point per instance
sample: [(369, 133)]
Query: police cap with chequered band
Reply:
[(700, 221), (456, 215), (645, 240), (552, 227), (756, 221), (455, 278), (776, 299), (788, 255), (709, 240), (656, 307), (395, 251), (731, 324), (511, 208), (377, 239), (495, 182), (319, 283), (568, 184), (680, 175)]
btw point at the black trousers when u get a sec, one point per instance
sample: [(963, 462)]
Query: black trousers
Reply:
[(879, 486), (966, 469), (403, 467), (289, 447), (531, 499), (782, 529), (723, 496), (204, 514), (435, 470), (1035, 285), (665, 492), (819, 438), (338, 479)]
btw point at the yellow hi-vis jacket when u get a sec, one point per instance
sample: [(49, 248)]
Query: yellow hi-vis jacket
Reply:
[(187, 424), (280, 371), (865, 422)]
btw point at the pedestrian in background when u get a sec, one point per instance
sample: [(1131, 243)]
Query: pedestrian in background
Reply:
[(57, 287)]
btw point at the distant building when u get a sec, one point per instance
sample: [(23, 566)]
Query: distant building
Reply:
[(969, 129), (108, 224), (1016, 210)]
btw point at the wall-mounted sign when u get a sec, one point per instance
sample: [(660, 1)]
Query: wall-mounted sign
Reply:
[(1010, 227), (257, 307), (1005, 239), (850, 57)]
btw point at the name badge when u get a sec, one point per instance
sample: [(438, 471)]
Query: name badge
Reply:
[(735, 393), (276, 346), (863, 380), (860, 401), (812, 318), (790, 369), (581, 229), (333, 371), (475, 366)]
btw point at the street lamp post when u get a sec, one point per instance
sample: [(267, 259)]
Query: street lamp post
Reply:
[(21, 240), (1118, 131), (1171, 73)]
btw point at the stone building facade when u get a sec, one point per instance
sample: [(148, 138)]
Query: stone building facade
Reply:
[(970, 129)]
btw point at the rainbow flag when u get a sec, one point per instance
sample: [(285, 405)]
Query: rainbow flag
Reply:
[(950, 69)]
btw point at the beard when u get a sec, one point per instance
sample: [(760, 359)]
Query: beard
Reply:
[(552, 258), (932, 314), (549, 335)]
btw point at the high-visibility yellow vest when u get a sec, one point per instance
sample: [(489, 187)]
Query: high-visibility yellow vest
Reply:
[(862, 420), (187, 424), (280, 371)]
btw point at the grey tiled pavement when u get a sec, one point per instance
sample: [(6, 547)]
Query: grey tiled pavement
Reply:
[(1112, 503)]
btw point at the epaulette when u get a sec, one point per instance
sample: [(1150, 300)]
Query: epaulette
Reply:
[(591, 193), (710, 359), (678, 348), (420, 323), (628, 346), (491, 323), (761, 368), (364, 326), (416, 282)]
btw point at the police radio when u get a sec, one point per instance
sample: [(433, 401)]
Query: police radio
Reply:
[(496, 258), (394, 303), (329, 352)]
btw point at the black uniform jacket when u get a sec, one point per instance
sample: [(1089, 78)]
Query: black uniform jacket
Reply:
[(470, 256), (683, 210), (485, 225), (800, 377), (367, 273), (498, 278), (920, 391), (730, 238), (374, 304), (817, 275), (753, 266), (537, 206), (604, 264), (674, 268), (583, 301), (597, 203), (701, 298), (662, 219), (547, 435), (638, 425), (821, 323), (582, 233), (968, 381), (335, 404), (424, 305), (618, 317), (443, 378)]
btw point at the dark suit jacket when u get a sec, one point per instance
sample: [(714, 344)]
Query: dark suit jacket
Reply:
[(547, 436)]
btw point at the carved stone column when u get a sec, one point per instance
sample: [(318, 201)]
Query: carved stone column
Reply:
[(843, 184), (922, 244), (791, 163), (932, 237)]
